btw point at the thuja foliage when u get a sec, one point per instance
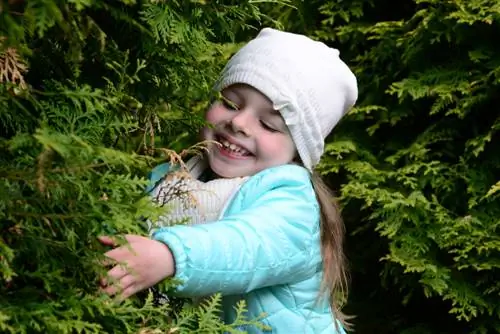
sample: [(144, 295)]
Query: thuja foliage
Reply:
[(417, 161), (91, 94)]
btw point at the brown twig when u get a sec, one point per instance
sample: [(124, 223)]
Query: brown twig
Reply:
[(76, 169), (196, 149), (43, 160), (12, 67), (45, 216)]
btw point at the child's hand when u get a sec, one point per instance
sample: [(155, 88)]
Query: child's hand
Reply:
[(140, 264)]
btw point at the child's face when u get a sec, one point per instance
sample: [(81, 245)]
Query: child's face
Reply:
[(253, 135)]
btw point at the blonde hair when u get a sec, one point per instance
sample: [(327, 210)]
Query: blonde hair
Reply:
[(332, 232)]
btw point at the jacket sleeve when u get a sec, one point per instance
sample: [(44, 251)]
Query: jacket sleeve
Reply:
[(273, 241)]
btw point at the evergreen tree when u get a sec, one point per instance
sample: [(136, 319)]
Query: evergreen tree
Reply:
[(92, 93)]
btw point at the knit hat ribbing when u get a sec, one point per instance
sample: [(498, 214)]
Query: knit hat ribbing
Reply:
[(306, 81)]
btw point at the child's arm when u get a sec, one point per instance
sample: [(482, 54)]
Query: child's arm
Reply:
[(274, 241)]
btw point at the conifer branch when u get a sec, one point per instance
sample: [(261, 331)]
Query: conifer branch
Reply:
[(12, 67)]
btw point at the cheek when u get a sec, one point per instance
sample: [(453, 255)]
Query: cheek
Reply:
[(215, 114), (282, 147), (290, 149)]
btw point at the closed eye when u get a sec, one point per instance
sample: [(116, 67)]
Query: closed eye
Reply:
[(228, 104), (268, 127)]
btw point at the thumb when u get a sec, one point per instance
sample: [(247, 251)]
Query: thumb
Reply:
[(107, 241)]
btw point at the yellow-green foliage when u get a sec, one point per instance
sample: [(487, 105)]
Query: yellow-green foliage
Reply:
[(88, 91), (420, 153)]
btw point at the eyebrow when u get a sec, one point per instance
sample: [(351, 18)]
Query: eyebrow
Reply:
[(232, 91), (238, 94)]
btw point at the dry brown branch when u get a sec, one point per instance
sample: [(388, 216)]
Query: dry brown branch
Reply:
[(178, 158), (152, 331), (199, 148), (43, 160), (12, 68), (46, 215), (77, 168), (178, 183), (149, 133)]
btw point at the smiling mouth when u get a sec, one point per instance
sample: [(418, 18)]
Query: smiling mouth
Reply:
[(232, 148)]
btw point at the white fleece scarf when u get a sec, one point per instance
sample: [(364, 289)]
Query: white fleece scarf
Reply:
[(188, 200)]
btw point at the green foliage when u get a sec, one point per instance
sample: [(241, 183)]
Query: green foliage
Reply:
[(92, 91), (192, 319), (419, 156), (89, 92)]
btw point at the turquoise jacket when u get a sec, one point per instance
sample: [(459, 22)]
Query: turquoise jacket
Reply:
[(264, 249)]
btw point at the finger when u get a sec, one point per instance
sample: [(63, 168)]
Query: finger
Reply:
[(111, 290), (120, 286), (107, 241), (134, 237), (107, 262), (119, 254), (104, 262), (131, 290), (114, 275)]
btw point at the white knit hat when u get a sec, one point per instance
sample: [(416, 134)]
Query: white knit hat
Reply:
[(306, 81)]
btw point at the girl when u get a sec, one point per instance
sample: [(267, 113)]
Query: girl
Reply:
[(271, 235)]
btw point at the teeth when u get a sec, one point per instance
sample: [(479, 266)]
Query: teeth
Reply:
[(233, 147)]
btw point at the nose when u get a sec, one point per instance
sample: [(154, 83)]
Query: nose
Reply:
[(241, 122)]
